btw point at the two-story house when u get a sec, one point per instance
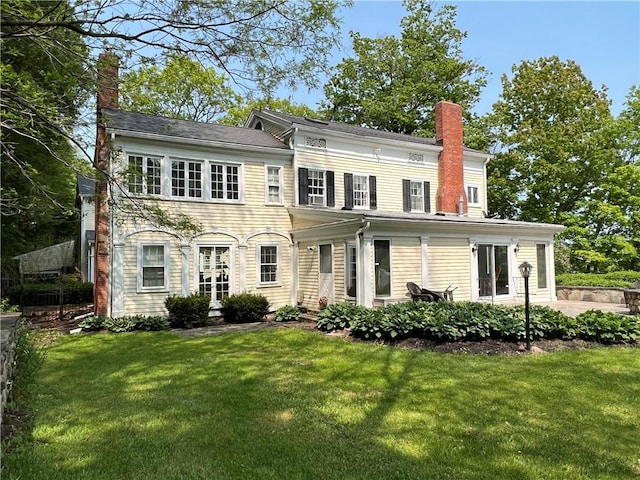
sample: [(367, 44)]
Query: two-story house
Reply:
[(297, 209)]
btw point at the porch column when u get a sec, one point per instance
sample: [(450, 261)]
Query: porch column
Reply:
[(367, 279), (243, 266), (293, 253), (185, 250), (117, 282), (424, 239)]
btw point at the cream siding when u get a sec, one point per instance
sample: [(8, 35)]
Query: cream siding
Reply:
[(308, 276), (450, 264), (338, 271), (527, 253), (406, 264)]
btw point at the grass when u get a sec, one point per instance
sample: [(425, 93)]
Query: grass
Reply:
[(293, 404)]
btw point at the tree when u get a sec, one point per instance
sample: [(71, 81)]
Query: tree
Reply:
[(182, 88), (560, 160), (394, 83), (239, 114), (48, 68), (41, 92)]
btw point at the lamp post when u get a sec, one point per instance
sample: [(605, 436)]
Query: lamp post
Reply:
[(525, 271)]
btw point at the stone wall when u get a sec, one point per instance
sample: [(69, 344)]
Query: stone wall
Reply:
[(591, 294), (8, 340), (632, 298)]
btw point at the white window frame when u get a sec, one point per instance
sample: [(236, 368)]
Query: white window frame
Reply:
[(420, 184), (140, 261), (144, 173), (364, 193), (348, 248), (268, 183), (470, 200), (278, 281), (323, 188), (186, 170), (225, 184)]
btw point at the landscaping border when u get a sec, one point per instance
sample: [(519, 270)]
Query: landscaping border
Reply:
[(591, 294)]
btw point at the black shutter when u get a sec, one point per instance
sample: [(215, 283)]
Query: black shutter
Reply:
[(303, 186), (348, 191), (373, 194), (406, 195), (427, 197), (331, 193)]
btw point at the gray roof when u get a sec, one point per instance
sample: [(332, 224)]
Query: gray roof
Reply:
[(86, 186), (122, 121), (351, 129)]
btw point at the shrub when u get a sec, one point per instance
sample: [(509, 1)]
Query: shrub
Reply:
[(7, 307), (622, 279), (92, 323), (288, 313), (119, 325), (188, 312), (338, 316), (607, 327), (245, 308), (149, 324)]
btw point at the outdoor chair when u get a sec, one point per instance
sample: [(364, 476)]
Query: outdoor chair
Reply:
[(422, 294)]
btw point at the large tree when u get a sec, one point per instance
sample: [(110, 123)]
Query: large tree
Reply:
[(559, 160), (49, 49), (394, 83)]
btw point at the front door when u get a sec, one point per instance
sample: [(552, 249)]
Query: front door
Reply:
[(214, 272), (325, 271), (382, 271), (493, 270)]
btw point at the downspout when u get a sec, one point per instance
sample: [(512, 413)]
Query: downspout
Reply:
[(360, 263)]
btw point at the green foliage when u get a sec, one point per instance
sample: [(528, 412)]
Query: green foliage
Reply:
[(125, 324), (245, 308), (623, 279), (188, 312), (92, 323), (394, 83), (608, 327), (7, 307), (473, 321), (238, 114), (288, 313), (339, 316)]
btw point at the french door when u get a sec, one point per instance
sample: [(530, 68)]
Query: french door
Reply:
[(493, 270), (214, 272)]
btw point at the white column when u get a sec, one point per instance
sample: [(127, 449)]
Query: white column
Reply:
[(367, 278), (424, 240), (293, 252), (185, 250), (117, 282), (243, 266)]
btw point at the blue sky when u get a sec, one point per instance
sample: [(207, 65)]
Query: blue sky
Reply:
[(602, 37)]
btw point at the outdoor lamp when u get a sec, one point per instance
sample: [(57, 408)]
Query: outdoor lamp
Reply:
[(525, 271)]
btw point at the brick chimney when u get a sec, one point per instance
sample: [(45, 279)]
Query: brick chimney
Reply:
[(451, 196), (107, 98)]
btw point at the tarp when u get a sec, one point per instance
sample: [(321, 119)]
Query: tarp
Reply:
[(47, 260)]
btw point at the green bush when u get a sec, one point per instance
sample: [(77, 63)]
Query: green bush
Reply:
[(622, 279), (7, 307), (338, 316), (288, 313), (92, 323), (244, 308), (607, 327), (119, 325), (124, 324), (188, 312)]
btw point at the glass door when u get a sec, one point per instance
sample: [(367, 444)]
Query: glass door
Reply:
[(325, 271), (382, 272), (214, 273), (493, 270)]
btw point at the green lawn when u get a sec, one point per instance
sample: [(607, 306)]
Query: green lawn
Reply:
[(292, 404)]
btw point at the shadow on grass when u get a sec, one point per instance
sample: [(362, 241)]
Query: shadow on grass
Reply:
[(288, 404)]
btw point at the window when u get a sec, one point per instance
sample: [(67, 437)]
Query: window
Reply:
[(360, 191), (350, 271), (541, 257), (144, 175), (153, 265), (186, 179), (225, 181), (273, 185), (473, 195), (214, 272), (416, 196), (316, 187), (268, 265)]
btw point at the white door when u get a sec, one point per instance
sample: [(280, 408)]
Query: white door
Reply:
[(325, 271), (214, 272)]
